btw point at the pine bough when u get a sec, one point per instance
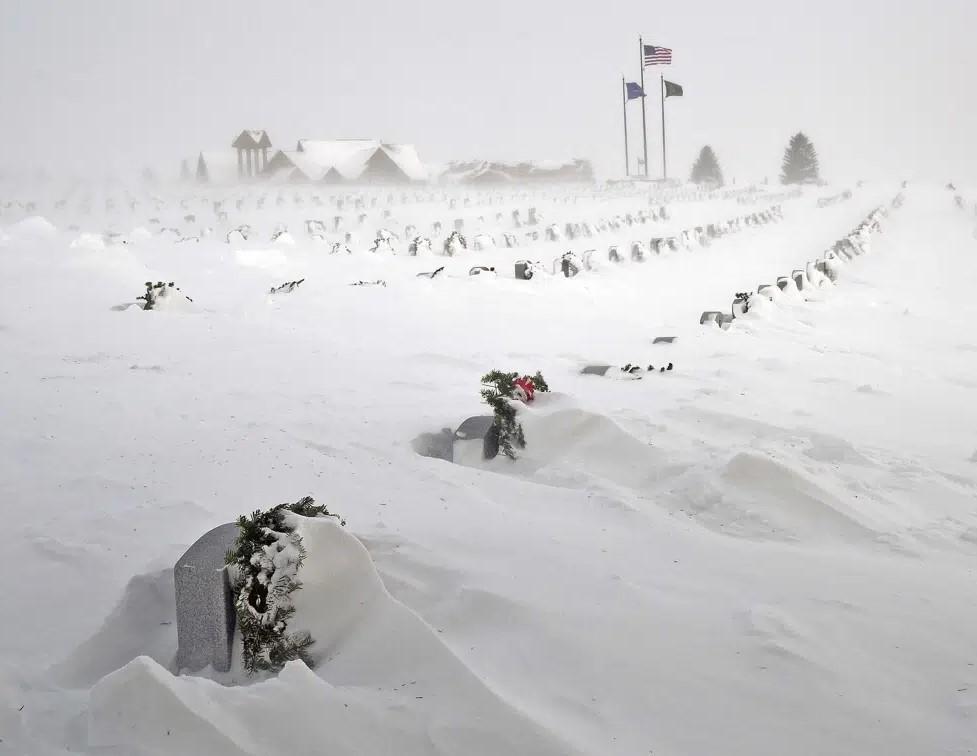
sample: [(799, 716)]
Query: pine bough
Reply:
[(498, 391), (155, 292), (264, 566)]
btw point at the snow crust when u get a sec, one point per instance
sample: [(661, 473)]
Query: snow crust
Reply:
[(768, 550)]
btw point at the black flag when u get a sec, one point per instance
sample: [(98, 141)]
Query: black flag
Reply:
[(672, 89)]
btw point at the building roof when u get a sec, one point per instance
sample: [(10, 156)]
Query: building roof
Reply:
[(299, 164), (483, 171), (252, 139), (405, 156), (350, 157)]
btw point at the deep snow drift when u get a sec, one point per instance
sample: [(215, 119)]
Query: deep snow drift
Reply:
[(768, 550)]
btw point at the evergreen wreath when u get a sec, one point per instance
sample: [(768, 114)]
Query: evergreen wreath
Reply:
[(157, 291), (746, 298), (449, 243), (264, 565), (498, 391)]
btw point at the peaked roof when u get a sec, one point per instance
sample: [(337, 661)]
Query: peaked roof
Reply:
[(251, 139), (300, 165), (348, 156), (351, 157), (405, 156), (483, 171)]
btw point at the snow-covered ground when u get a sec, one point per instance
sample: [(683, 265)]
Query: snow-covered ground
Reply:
[(769, 550)]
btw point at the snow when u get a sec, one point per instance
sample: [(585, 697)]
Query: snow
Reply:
[(88, 241), (768, 550), (350, 156), (308, 169), (33, 227), (405, 156), (222, 167)]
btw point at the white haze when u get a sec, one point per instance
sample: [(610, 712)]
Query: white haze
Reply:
[(101, 88)]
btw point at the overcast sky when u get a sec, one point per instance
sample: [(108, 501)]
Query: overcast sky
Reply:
[(883, 87)]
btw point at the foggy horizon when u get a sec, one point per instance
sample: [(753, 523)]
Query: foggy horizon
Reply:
[(106, 88), (564, 464)]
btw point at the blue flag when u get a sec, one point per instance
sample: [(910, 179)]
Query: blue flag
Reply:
[(634, 90)]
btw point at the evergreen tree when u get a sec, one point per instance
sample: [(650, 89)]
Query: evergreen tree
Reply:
[(706, 169), (800, 162)]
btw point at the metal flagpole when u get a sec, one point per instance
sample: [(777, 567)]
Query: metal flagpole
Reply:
[(664, 158), (644, 133), (627, 162)]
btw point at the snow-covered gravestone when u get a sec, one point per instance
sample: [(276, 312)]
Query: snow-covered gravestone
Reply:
[(481, 430), (205, 615)]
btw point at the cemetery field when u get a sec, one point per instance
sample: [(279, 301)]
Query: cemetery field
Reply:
[(768, 549)]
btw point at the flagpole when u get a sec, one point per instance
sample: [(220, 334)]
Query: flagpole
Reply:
[(624, 95), (644, 132), (664, 158)]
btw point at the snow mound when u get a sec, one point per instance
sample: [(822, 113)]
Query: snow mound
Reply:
[(171, 299), (753, 495), (87, 240), (140, 234), (383, 683), (33, 227), (575, 448), (142, 624), (260, 258)]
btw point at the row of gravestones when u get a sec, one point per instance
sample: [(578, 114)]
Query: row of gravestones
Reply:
[(815, 274), (130, 199), (684, 194), (359, 202), (222, 206), (386, 240), (770, 197), (316, 229), (455, 243), (835, 199), (570, 264), (696, 236)]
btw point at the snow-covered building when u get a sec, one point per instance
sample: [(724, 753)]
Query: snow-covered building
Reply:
[(490, 172), (364, 161), (247, 158), (360, 161), (293, 167), (252, 151)]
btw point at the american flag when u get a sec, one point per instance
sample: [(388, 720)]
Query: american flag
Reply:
[(657, 56)]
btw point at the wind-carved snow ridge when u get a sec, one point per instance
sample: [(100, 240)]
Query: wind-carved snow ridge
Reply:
[(766, 550), (814, 276), (382, 680)]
